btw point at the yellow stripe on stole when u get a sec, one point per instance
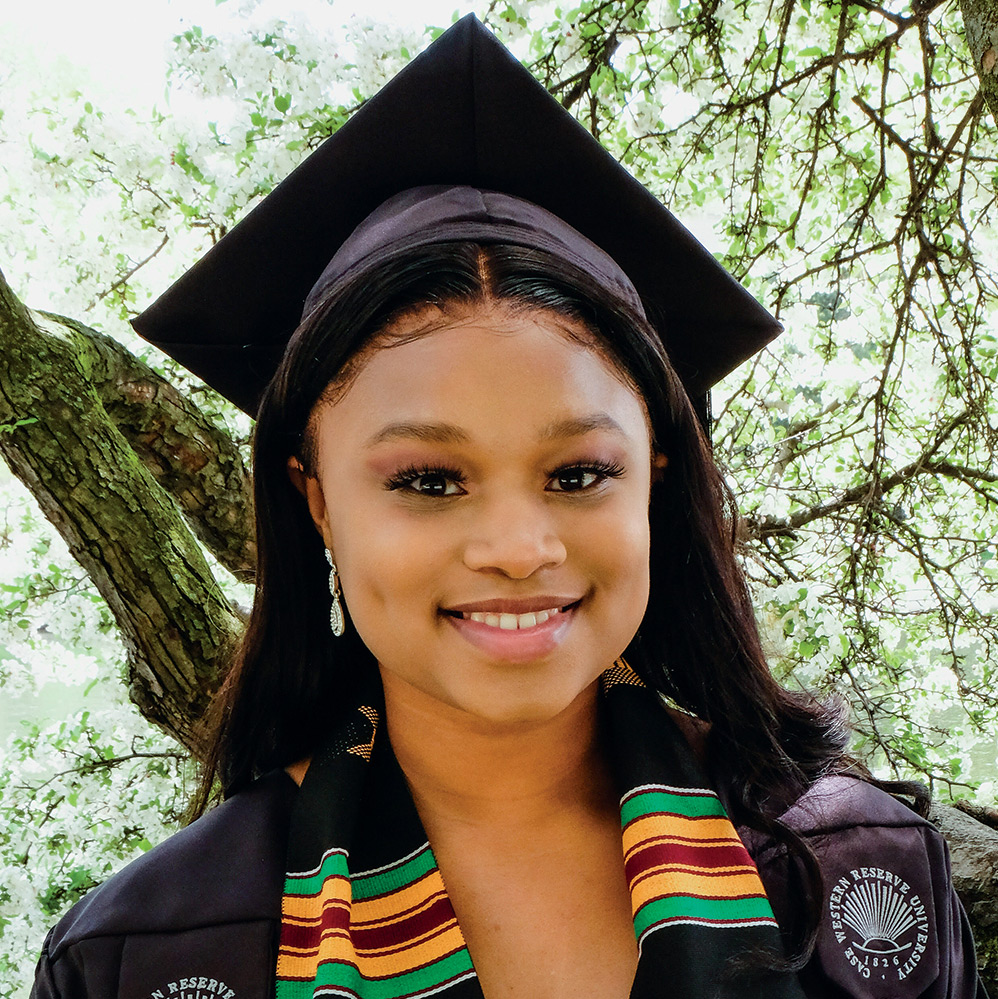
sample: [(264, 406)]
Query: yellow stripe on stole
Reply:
[(368, 911), (384, 965), (382, 909), (293, 966), (339, 948), (702, 832), (308, 908)]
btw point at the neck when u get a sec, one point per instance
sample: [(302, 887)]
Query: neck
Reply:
[(467, 770)]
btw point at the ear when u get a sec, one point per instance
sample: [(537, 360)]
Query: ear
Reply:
[(309, 487), (659, 462)]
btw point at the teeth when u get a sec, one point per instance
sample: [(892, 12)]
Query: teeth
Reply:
[(512, 622)]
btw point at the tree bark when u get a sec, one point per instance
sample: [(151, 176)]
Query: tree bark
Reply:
[(119, 522), (198, 464), (980, 19)]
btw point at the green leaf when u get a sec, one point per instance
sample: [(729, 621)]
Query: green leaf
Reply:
[(9, 428)]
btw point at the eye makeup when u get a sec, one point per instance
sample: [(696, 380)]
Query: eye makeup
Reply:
[(434, 480)]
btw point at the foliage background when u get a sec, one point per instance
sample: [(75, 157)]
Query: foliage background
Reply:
[(837, 159)]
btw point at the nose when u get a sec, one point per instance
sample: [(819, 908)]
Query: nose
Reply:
[(513, 536)]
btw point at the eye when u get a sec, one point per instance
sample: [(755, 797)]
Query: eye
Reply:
[(579, 478), (426, 481), (434, 484)]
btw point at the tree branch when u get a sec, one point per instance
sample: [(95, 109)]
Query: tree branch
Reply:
[(124, 279), (119, 523), (875, 487), (198, 464)]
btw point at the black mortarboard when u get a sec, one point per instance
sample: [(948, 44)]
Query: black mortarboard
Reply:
[(465, 112)]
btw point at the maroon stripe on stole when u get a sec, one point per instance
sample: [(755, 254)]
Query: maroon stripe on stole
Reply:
[(334, 911), (390, 952), (658, 854), (335, 920), (402, 931)]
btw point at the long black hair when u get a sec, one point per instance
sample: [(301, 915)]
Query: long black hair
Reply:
[(698, 643)]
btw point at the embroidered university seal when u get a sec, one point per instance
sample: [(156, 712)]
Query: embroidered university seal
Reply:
[(880, 923), (198, 987)]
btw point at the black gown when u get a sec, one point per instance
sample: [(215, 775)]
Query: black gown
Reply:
[(200, 916)]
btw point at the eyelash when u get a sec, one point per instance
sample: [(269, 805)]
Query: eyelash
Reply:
[(603, 470), (405, 477)]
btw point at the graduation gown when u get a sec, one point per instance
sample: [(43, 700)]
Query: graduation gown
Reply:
[(199, 917)]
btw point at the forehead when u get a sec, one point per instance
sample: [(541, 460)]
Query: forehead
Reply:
[(490, 369)]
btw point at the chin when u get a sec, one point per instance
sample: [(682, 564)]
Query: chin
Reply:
[(521, 708)]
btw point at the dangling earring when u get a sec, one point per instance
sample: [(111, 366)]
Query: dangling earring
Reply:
[(336, 621)]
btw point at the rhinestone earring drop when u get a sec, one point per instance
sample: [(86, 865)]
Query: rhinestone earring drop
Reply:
[(336, 620)]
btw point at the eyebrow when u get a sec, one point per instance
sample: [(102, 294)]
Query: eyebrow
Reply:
[(436, 433), (581, 425), (448, 433)]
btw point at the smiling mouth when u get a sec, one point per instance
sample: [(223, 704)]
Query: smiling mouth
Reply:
[(513, 622)]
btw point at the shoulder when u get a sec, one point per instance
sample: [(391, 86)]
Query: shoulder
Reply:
[(841, 803), (891, 924), (851, 827), (225, 869), (849, 823), (219, 868)]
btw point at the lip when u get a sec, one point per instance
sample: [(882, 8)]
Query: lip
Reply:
[(509, 605), (518, 645)]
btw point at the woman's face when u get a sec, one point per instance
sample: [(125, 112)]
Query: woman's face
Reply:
[(484, 490)]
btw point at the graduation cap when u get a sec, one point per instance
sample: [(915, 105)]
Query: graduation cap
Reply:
[(463, 114)]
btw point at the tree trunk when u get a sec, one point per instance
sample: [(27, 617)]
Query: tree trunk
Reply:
[(119, 522), (974, 854), (980, 18)]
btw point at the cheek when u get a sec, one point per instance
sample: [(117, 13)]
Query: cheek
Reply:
[(627, 552), (389, 563), (614, 547)]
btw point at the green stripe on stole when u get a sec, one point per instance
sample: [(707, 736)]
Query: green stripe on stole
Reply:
[(693, 806)]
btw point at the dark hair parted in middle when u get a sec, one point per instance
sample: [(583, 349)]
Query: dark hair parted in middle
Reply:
[(698, 643)]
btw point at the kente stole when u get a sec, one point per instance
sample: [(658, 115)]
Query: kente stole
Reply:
[(365, 912)]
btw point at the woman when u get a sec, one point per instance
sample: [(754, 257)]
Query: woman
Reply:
[(477, 440)]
